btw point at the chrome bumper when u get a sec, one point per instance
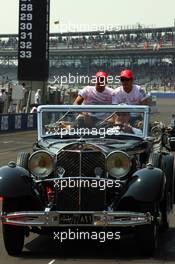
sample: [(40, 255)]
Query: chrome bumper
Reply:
[(74, 219)]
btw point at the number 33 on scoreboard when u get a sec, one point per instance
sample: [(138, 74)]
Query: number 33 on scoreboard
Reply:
[(25, 54)]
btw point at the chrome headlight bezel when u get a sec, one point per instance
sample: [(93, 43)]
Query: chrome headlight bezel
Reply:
[(48, 159), (122, 172)]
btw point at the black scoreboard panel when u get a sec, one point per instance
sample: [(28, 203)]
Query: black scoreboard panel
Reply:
[(33, 47)]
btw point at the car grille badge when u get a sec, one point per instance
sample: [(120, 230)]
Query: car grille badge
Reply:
[(98, 172), (60, 171)]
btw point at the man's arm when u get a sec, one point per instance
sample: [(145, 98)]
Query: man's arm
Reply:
[(79, 100), (146, 101), (144, 98)]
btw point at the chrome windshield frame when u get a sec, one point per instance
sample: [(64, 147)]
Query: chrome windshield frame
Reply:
[(96, 108)]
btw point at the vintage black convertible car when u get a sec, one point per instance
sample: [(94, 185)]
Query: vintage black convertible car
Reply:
[(92, 168)]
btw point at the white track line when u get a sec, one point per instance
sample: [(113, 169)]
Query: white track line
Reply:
[(52, 261)]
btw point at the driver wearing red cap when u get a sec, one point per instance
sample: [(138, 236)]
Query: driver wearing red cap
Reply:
[(128, 92), (98, 94)]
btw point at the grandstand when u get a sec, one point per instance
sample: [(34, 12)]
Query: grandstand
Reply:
[(149, 52)]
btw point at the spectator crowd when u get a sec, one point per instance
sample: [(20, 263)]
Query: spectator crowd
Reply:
[(154, 40), (154, 72)]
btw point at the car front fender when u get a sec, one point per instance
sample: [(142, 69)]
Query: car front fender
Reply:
[(147, 185), (15, 181)]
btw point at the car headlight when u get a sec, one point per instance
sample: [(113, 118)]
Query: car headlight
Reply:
[(118, 164), (41, 164)]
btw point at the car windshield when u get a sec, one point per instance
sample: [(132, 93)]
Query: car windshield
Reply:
[(92, 121)]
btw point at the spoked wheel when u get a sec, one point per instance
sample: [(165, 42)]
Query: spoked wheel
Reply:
[(13, 235), (22, 159), (147, 235)]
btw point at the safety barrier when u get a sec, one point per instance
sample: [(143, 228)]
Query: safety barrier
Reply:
[(163, 94), (17, 122)]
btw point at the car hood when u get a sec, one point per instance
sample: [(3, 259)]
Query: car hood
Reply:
[(106, 145)]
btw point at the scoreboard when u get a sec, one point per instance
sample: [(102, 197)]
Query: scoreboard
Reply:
[(33, 45)]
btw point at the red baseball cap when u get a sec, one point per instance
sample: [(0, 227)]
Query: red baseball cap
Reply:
[(101, 74), (127, 74)]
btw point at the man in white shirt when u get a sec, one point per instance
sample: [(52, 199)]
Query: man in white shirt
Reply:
[(38, 97), (100, 94), (129, 93)]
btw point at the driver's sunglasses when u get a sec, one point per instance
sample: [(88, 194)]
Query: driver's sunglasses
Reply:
[(125, 79)]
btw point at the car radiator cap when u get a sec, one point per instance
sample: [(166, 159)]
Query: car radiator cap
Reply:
[(12, 164)]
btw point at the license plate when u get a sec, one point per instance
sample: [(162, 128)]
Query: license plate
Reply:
[(75, 219)]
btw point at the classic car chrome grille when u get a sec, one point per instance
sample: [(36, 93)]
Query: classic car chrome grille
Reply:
[(70, 162), (90, 161), (68, 198), (81, 163), (78, 198)]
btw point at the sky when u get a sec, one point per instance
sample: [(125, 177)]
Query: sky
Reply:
[(77, 15)]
